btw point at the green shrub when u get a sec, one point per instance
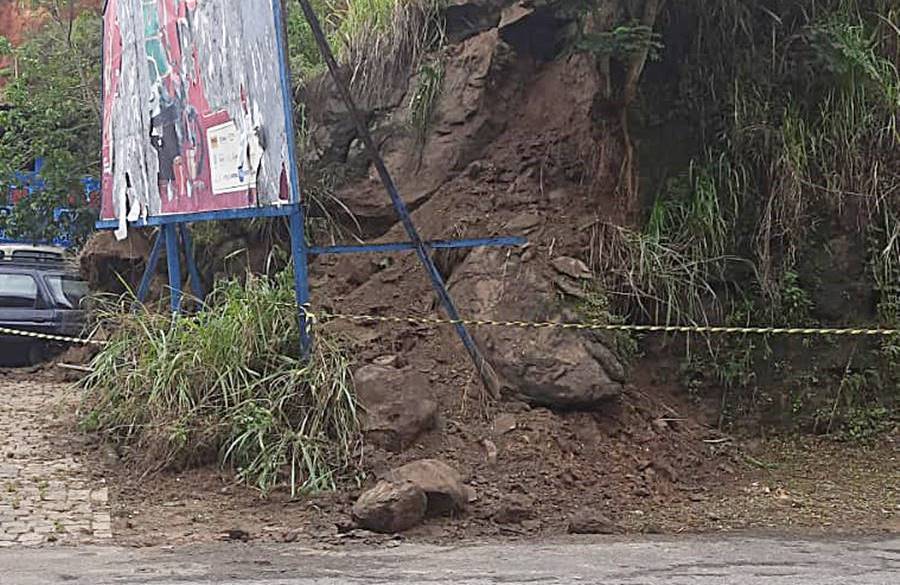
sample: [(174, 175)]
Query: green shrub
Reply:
[(225, 385)]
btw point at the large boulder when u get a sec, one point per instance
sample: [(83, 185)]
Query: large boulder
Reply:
[(390, 507), (552, 367), (441, 484), (397, 407)]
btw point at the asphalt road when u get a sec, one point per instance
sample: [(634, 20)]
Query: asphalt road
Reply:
[(695, 561)]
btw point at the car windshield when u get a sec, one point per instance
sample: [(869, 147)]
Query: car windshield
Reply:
[(67, 291)]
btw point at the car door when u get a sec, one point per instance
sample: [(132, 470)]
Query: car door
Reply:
[(22, 304), (66, 294)]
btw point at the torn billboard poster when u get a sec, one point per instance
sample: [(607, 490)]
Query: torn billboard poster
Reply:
[(196, 109)]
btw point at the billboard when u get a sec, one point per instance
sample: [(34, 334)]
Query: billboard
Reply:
[(196, 111)]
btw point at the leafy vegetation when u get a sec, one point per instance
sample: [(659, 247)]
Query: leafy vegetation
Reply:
[(378, 41), (226, 384), (52, 111), (788, 113), (622, 42)]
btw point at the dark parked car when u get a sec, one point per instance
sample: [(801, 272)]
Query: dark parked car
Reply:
[(38, 293)]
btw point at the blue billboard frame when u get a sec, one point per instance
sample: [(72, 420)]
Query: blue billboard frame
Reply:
[(173, 227)]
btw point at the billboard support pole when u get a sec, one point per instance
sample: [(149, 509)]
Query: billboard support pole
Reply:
[(152, 262), (173, 258), (300, 253), (191, 261)]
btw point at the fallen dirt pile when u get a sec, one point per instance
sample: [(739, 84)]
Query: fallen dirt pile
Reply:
[(571, 444)]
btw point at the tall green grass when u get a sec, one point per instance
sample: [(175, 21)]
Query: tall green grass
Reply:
[(226, 385), (667, 272), (796, 110), (382, 41), (429, 84), (379, 41)]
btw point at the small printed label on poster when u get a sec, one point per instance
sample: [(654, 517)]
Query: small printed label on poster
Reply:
[(227, 165)]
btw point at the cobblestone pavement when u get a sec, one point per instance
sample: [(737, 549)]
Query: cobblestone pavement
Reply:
[(46, 496)]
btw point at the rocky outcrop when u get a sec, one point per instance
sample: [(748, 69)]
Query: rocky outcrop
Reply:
[(532, 31), (464, 19), (502, 127), (470, 113)]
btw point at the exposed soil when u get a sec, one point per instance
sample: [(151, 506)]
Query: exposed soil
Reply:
[(658, 472)]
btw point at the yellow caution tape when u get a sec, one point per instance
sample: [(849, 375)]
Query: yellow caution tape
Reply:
[(313, 318), (624, 328), (48, 337)]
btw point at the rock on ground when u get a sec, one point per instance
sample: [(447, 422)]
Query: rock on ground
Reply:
[(441, 483), (390, 507), (591, 522), (514, 509)]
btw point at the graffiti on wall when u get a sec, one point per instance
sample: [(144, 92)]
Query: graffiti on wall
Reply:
[(195, 116)]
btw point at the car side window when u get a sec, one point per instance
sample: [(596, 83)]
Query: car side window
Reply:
[(18, 291)]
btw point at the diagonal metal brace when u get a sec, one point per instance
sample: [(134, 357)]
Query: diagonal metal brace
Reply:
[(409, 246), (486, 371)]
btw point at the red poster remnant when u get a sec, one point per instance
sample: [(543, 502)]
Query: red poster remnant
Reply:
[(194, 111)]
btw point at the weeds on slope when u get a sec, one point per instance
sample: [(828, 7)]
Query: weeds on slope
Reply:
[(379, 41), (225, 385), (383, 40)]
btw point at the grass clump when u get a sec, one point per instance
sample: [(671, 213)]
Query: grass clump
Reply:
[(425, 97), (225, 385), (670, 270), (379, 41)]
